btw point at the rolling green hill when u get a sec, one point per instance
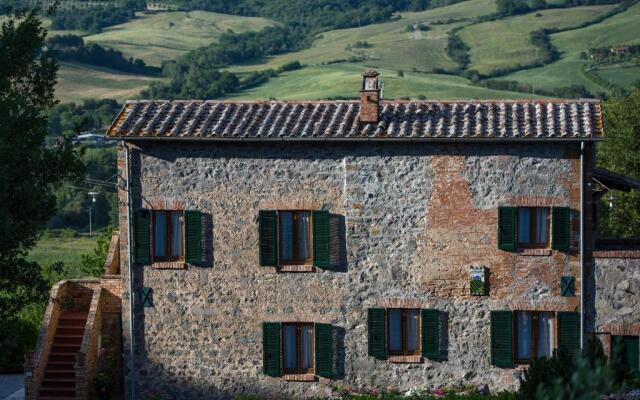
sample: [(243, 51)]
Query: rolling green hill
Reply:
[(336, 58), (78, 81), (622, 28), (343, 80), (158, 36), (391, 46), (505, 43)]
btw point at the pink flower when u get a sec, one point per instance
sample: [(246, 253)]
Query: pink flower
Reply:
[(438, 393)]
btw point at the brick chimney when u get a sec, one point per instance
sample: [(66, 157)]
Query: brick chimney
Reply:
[(370, 98)]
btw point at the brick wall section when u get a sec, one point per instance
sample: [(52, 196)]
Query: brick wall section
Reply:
[(112, 263), (36, 361), (416, 217), (87, 357)]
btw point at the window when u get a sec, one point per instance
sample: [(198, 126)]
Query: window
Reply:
[(533, 226), (297, 348), (295, 237), (168, 228), (404, 327), (534, 335), (626, 350)]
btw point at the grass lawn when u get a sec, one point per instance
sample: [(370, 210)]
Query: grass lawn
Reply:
[(505, 43), (333, 80), (68, 250), (621, 75), (159, 36), (621, 28), (391, 46), (80, 81)]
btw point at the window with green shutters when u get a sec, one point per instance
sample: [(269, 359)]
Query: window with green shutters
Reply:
[(502, 339), (294, 237), (142, 236), (167, 235), (561, 228), (507, 228), (297, 348), (403, 332)]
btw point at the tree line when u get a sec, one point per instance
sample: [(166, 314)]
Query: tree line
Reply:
[(73, 48)]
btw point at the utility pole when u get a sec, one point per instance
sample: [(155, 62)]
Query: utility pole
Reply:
[(93, 200)]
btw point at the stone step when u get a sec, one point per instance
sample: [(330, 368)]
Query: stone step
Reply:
[(60, 374), (65, 348), (59, 384)]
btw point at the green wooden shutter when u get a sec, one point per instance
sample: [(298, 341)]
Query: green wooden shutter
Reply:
[(141, 236), (507, 228), (569, 332), (632, 353), (376, 318), (324, 350), (430, 334), (145, 297), (568, 286), (561, 222), (268, 232), (321, 255), (502, 339), (271, 348), (193, 236)]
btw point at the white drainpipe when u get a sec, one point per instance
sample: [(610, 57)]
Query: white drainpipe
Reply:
[(582, 283), (132, 364)]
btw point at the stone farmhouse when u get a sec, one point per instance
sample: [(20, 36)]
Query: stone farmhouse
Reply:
[(284, 248)]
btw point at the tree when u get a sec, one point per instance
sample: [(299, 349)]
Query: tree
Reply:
[(620, 152), (93, 264), (28, 169)]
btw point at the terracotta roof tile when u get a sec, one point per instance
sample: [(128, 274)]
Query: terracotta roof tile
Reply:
[(277, 120)]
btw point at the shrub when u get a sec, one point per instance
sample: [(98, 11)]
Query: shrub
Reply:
[(106, 380), (18, 336)]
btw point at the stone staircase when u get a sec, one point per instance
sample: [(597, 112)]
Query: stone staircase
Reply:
[(83, 316), (59, 375)]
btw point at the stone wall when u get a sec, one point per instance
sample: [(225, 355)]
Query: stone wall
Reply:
[(617, 303), (415, 218)]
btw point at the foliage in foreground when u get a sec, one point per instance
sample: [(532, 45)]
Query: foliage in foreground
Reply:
[(621, 153), (28, 170)]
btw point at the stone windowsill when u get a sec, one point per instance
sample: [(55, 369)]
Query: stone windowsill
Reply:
[(296, 268), (299, 377), (169, 265), (405, 359), (534, 252)]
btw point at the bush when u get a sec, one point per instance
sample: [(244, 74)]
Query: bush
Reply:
[(18, 336), (93, 264)]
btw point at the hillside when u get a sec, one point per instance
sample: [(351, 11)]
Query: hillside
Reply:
[(390, 45), (79, 81), (158, 36), (411, 50), (505, 43), (619, 29), (343, 80)]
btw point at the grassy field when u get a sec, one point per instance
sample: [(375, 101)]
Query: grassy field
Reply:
[(80, 81), (505, 43), (67, 250), (621, 28), (333, 80), (158, 36), (392, 47), (623, 76)]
